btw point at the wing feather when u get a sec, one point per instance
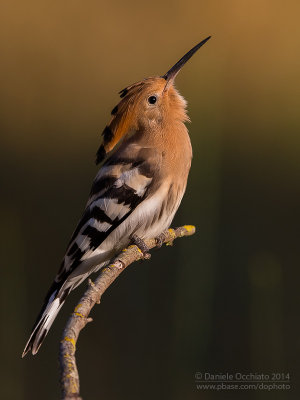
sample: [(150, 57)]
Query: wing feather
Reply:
[(119, 187)]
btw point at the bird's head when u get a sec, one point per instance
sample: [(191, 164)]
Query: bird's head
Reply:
[(151, 103)]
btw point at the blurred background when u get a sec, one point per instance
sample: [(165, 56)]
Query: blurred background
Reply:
[(224, 300)]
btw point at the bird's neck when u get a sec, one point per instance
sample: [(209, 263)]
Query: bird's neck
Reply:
[(171, 140)]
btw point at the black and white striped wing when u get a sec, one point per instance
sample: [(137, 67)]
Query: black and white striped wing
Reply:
[(120, 186)]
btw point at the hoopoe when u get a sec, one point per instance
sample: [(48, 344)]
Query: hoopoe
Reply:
[(146, 156)]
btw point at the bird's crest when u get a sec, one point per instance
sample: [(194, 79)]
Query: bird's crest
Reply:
[(122, 120)]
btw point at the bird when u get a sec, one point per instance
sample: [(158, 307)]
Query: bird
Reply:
[(145, 158)]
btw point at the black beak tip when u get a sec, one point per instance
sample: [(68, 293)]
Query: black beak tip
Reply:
[(176, 68)]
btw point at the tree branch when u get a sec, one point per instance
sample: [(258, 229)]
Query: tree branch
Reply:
[(79, 318)]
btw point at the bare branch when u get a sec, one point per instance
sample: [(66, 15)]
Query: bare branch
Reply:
[(79, 318)]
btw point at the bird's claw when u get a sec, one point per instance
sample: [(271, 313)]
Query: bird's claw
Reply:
[(160, 239), (141, 245)]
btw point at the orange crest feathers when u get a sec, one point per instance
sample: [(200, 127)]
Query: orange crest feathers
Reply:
[(123, 120)]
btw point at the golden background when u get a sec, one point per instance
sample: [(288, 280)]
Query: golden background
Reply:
[(223, 300)]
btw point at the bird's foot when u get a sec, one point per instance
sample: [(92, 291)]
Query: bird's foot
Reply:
[(141, 245), (160, 239)]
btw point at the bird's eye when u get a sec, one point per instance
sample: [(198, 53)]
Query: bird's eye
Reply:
[(152, 99)]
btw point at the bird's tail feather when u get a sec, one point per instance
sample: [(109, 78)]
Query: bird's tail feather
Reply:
[(45, 319)]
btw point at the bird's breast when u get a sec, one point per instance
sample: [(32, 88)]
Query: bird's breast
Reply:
[(177, 153)]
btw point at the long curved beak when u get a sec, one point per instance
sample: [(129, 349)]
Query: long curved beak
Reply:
[(171, 74)]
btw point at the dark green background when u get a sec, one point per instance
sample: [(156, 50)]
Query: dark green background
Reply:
[(223, 300)]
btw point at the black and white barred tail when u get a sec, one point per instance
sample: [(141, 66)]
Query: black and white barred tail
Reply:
[(53, 304)]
